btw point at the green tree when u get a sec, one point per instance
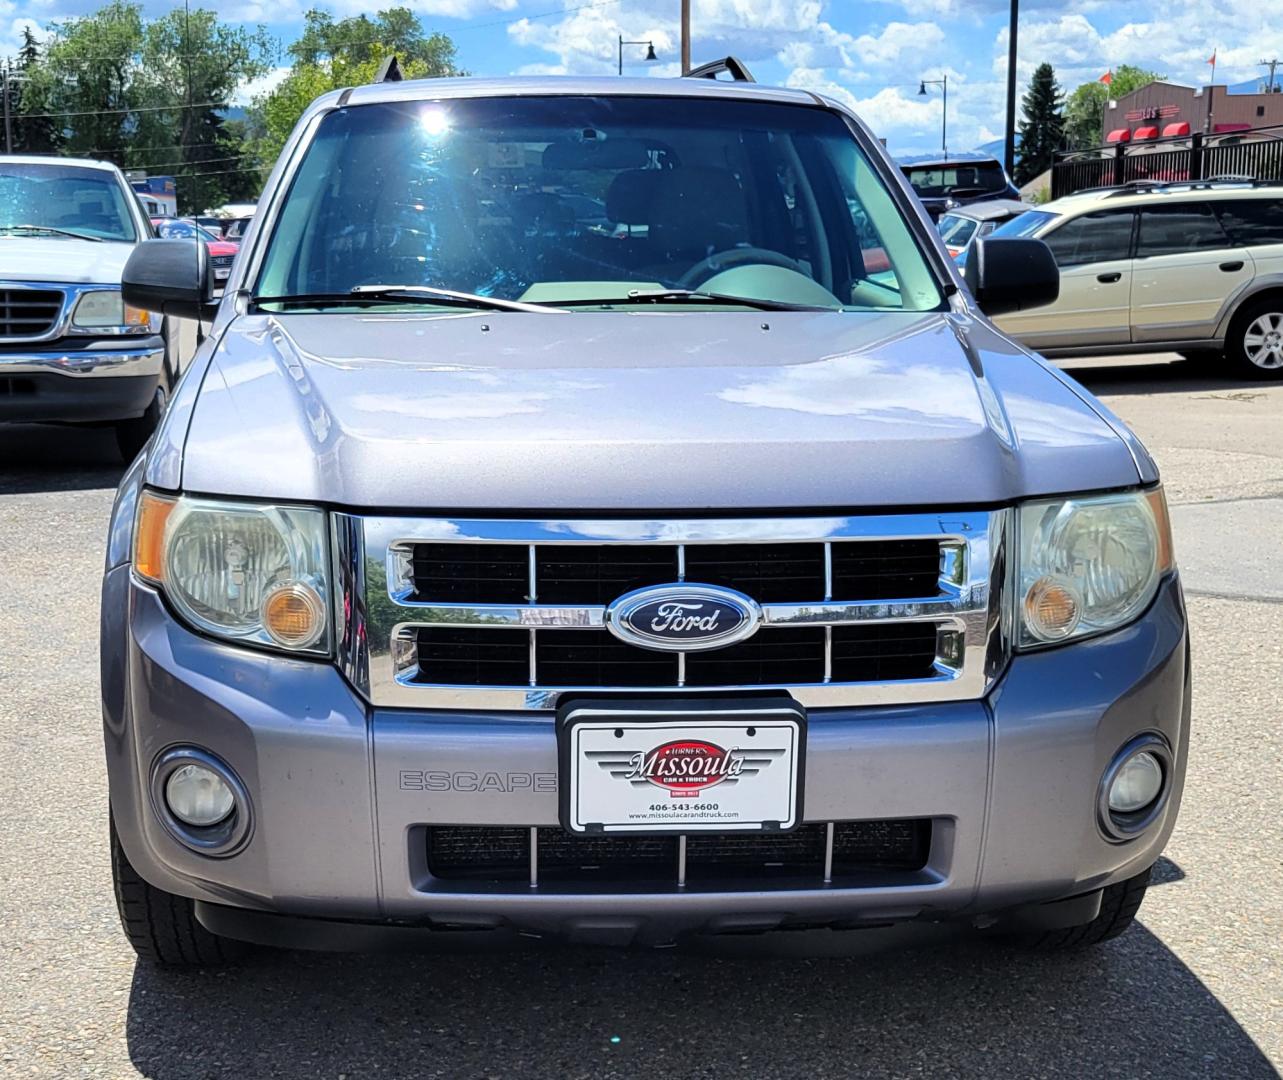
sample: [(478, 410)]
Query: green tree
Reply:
[(1085, 107), (152, 95), (194, 58), (329, 55), (1041, 126), (33, 132)]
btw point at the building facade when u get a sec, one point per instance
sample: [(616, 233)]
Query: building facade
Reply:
[(1164, 109)]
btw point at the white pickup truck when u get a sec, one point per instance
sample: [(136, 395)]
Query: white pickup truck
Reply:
[(71, 351)]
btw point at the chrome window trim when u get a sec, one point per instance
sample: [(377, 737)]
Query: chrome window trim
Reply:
[(378, 615)]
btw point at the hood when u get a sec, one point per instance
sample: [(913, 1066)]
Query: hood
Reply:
[(222, 247), (59, 258), (657, 411)]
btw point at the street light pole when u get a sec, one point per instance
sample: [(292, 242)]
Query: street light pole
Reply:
[(1009, 136), (943, 83), (650, 51), (686, 37)]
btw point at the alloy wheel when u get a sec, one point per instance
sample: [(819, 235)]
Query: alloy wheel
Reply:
[(1263, 341)]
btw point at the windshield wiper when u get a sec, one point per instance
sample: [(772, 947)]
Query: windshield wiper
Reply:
[(403, 294), (453, 296), (51, 229), (695, 296)]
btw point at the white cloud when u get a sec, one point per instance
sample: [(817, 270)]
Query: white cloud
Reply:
[(248, 91)]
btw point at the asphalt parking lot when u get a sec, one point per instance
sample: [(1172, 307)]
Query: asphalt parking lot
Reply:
[(1196, 989)]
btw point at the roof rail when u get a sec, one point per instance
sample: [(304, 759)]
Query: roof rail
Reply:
[(1140, 187), (734, 67)]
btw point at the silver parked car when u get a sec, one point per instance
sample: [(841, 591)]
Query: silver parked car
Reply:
[(722, 570)]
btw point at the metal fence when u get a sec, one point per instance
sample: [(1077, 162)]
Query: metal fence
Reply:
[(1257, 153)]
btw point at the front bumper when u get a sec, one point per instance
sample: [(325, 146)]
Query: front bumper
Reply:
[(1010, 782), (80, 385)]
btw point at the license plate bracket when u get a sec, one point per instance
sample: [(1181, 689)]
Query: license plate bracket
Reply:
[(681, 765)]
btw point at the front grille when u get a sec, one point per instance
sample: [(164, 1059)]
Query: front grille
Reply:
[(450, 656), (222, 260), (29, 313), (454, 656), (512, 614), (495, 855), (597, 574)]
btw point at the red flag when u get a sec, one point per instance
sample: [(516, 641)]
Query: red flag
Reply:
[(1212, 59), (1108, 77)]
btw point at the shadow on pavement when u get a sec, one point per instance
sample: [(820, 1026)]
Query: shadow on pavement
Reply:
[(955, 1008), (1159, 377), (46, 457)]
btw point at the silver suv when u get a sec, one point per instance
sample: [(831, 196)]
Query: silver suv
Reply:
[(600, 510)]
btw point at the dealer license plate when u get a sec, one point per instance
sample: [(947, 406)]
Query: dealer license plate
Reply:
[(681, 766)]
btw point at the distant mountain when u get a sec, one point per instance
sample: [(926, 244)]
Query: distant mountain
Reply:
[(994, 147), (1255, 86)]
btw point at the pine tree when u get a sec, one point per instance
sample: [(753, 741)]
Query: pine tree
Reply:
[(31, 134), (1042, 129)]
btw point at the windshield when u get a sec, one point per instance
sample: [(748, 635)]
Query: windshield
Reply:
[(171, 229), (956, 230), (68, 198), (1028, 223), (964, 178), (566, 200)]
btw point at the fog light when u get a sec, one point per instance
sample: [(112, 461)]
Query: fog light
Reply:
[(1137, 784), (198, 796)]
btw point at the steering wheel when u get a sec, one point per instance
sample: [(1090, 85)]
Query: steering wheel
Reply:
[(731, 257)]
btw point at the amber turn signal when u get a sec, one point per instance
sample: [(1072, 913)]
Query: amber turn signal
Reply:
[(293, 614), (149, 535), (1163, 524), (1051, 609)]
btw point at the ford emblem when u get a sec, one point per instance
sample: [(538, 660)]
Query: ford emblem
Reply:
[(683, 618)]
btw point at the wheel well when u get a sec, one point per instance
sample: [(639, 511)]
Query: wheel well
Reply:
[(1274, 292)]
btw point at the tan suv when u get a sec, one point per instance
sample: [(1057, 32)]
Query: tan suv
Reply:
[(1195, 268)]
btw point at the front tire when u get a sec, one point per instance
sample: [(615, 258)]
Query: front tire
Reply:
[(162, 927), (1118, 907), (1254, 346)]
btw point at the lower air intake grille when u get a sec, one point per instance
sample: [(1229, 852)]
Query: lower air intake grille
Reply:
[(483, 854)]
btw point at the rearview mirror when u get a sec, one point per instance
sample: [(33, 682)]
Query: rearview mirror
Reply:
[(173, 277), (1007, 273)]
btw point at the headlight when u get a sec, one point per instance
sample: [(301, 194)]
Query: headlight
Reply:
[(249, 572), (104, 311), (1089, 564)]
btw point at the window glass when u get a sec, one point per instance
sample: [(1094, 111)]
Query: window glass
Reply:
[(1252, 221), (964, 179), (564, 199), (1101, 236), (64, 199), (1177, 228), (1025, 224), (956, 230)]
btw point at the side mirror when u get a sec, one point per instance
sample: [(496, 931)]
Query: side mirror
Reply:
[(173, 277), (1007, 273)]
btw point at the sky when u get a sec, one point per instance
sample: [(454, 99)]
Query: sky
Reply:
[(871, 54)]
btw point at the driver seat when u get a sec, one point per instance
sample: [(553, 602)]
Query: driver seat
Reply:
[(695, 212)]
